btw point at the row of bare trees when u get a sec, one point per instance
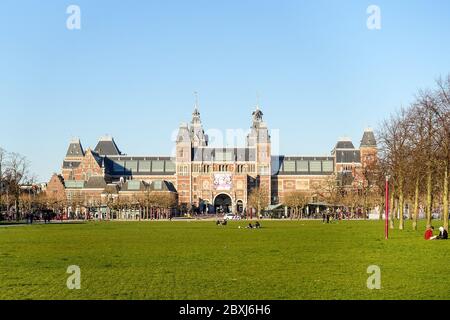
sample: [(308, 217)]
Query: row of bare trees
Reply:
[(150, 205), (415, 154), (14, 175), (354, 201), (144, 205)]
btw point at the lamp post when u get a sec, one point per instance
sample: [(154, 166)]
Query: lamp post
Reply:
[(386, 210)]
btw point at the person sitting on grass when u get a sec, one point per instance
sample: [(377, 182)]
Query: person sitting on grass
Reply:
[(429, 233), (257, 225), (443, 234)]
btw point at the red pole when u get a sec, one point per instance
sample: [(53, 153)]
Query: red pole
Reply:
[(386, 222)]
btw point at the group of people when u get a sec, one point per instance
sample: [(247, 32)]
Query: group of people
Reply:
[(250, 225), (429, 234), (32, 217), (221, 223), (326, 217), (256, 226)]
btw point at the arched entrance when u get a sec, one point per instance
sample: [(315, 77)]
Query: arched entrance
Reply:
[(222, 203)]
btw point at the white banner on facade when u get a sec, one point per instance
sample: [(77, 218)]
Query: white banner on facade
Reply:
[(222, 181)]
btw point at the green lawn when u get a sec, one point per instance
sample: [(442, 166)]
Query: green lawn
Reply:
[(197, 260)]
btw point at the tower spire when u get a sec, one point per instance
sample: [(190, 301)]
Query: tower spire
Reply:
[(257, 115), (257, 100), (197, 134), (196, 113), (196, 101)]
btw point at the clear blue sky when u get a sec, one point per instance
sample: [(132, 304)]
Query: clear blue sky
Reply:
[(132, 68)]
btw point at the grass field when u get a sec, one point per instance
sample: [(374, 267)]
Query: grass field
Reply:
[(198, 260)]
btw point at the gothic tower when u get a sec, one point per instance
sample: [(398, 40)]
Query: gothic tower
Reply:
[(368, 148), (198, 136), (259, 139), (183, 164)]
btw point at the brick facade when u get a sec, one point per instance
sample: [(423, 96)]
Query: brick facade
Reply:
[(203, 176)]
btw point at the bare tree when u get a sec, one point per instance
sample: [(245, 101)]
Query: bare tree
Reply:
[(15, 174), (296, 201), (415, 151), (258, 199), (442, 111), (395, 150)]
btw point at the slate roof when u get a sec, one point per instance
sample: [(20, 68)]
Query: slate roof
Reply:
[(131, 165), (368, 139), (138, 185), (111, 188), (344, 144), (75, 149), (107, 147), (348, 156), (95, 182), (134, 185), (345, 152), (162, 185)]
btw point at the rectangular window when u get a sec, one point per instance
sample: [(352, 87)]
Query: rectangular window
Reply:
[(224, 155), (134, 185), (302, 166), (229, 156), (144, 166), (289, 166), (157, 185), (72, 184), (327, 166), (157, 166), (219, 156), (131, 166), (263, 170), (170, 166), (240, 155), (315, 166)]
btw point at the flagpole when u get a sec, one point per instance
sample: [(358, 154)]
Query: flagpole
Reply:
[(386, 203)]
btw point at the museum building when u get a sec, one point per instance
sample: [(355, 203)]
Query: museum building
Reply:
[(206, 177)]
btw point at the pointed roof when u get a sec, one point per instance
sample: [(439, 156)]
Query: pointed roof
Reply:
[(106, 146), (57, 177), (344, 143), (196, 121), (257, 116), (75, 149), (98, 158), (96, 182), (183, 133), (368, 139)]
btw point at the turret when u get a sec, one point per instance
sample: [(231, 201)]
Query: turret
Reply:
[(368, 148), (198, 136), (106, 146), (259, 138), (75, 150)]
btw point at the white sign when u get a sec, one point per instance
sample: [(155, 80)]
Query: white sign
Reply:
[(223, 181)]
